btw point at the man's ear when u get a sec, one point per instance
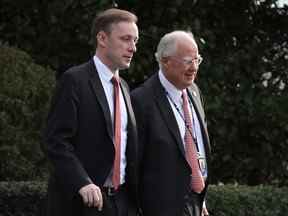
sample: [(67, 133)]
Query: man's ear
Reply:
[(164, 62), (101, 38)]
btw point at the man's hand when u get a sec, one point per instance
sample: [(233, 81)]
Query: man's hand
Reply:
[(204, 210), (92, 196)]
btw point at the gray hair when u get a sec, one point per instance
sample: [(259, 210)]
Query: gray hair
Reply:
[(168, 44)]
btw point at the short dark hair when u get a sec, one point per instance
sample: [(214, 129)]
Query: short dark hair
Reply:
[(105, 19)]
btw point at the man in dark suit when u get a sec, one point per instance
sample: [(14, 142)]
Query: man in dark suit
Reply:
[(91, 137), (167, 134)]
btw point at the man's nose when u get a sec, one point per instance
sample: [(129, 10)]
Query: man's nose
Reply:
[(193, 65), (133, 47)]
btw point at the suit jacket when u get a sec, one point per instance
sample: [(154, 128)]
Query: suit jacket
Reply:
[(79, 139), (164, 172)]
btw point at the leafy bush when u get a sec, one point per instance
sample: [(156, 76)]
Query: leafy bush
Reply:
[(25, 89), (28, 198), (235, 200), (22, 198)]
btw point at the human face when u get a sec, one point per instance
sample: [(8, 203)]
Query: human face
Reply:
[(181, 67), (119, 45)]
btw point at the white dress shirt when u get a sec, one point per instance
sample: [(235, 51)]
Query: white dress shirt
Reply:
[(175, 99), (105, 76)]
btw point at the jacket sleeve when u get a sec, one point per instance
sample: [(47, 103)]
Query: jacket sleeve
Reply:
[(59, 137)]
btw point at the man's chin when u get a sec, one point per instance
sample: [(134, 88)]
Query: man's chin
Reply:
[(124, 66), (188, 84)]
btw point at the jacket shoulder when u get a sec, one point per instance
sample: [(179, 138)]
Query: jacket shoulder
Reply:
[(79, 69), (145, 89)]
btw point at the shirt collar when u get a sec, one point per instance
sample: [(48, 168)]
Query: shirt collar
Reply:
[(173, 92), (103, 71)]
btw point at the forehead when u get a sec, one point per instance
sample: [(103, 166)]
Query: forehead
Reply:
[(187, 47), (124, 28)]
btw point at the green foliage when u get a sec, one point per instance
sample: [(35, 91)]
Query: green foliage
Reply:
[(245, 86), (24, 96), (239, 200), (28, 198), (243, 77), (55, 33), (22, 198)]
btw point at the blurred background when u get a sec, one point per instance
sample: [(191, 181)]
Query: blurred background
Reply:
[(243, 78)]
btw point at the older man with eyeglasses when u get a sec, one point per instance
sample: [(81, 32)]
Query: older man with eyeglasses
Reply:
[(173, 137)]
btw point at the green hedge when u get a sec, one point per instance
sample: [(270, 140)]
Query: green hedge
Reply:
[(22, 198), (235, 200), (27, 199), (25, 90)]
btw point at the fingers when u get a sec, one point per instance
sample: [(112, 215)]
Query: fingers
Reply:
[(92, 196), (99, 199)]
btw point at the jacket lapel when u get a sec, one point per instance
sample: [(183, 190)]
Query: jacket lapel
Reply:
[(195, 97), (128, 104), (167, 112), (131, 148), (101, 97)]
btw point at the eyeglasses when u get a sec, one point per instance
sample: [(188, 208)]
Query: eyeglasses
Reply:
[(187, 61)]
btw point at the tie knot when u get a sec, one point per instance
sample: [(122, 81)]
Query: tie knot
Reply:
[(115, 80), (184, 95)]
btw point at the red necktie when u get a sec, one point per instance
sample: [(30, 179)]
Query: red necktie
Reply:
[(197, 181), (117, 133)]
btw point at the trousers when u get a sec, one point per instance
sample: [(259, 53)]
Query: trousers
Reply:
[(192, 206)]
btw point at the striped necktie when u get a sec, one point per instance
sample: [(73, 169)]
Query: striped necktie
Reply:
[(197, 181)]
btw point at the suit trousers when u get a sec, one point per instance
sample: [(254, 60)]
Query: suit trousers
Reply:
[(192, 206)]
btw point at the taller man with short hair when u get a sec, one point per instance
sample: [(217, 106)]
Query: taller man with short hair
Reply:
[(91, 137)]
